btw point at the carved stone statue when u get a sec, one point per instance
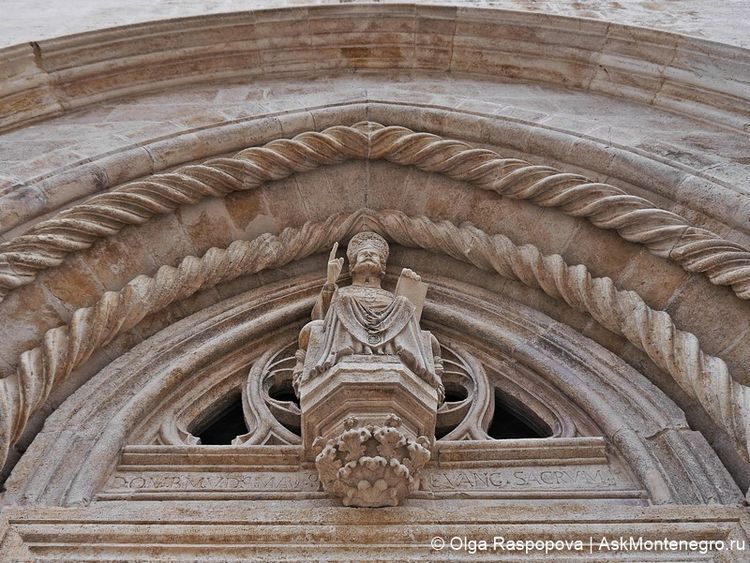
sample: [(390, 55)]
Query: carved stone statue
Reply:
[(368, 378), (363, 318)]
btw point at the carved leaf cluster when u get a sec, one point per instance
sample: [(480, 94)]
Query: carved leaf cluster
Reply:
[(372, 466)]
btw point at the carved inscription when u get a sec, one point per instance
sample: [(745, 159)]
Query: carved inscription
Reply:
[(522, 479), (487, 481), (302, 481)]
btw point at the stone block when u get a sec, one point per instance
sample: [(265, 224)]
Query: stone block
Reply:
[(20, 203), (369, 388)]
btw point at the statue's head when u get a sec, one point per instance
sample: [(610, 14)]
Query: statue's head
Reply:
[(367, 252)]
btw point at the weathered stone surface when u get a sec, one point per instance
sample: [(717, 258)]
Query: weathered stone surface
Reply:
[(370, 392), (595, 380), (369, 380)]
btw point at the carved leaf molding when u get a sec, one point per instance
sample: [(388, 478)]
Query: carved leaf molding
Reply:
[(636, 219), (703, 377)]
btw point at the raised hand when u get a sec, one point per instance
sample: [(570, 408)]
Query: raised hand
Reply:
[(335, 265)]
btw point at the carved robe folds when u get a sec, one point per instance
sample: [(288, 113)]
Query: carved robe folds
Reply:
[(368, 321), (369, 384)]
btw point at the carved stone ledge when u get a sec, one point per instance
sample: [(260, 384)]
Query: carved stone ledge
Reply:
[(352, 427), (371, 466)]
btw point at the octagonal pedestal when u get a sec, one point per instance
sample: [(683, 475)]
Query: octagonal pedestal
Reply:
[(370, 389)]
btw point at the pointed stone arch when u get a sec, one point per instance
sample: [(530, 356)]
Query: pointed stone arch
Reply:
[(95, 365), (94, 425), (607, 207), (704, 377)]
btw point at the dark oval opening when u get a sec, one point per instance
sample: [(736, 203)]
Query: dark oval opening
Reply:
[(455, 393), (283, 391)]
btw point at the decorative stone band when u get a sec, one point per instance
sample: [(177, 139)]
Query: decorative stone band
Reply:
[(703, 377), (637, 220)]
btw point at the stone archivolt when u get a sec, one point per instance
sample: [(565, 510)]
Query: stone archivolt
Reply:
[(192, 365), (73, 459), (68, 73), (636, 220), (703, 377)]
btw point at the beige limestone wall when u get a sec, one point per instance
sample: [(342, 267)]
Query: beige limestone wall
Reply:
[(658, 116), (23, 20)]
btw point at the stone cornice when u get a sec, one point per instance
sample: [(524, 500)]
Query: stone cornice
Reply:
[(219, 529)]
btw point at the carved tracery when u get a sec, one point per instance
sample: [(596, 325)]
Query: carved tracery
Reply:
[(618, 433), (130, 426), (272, 414), (271, 409)]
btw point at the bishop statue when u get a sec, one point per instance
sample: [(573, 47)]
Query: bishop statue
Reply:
[(365, 319)]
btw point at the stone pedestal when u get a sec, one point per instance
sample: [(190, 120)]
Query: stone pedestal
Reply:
[(369, 424), (370, 389)]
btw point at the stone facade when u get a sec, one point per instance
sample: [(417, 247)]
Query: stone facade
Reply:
[(571, 187)]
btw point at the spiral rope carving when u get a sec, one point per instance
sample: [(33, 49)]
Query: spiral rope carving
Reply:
[(703, 377), (637, 220), (66, 347)]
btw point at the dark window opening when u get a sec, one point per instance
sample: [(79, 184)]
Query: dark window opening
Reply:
[(226, 425), (455, 393), (288, 415), (283, 391), (452, 412), (443, 431), (512, 420)]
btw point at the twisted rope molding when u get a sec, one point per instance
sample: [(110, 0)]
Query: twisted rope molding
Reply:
[(636, 220), (703, 377)]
